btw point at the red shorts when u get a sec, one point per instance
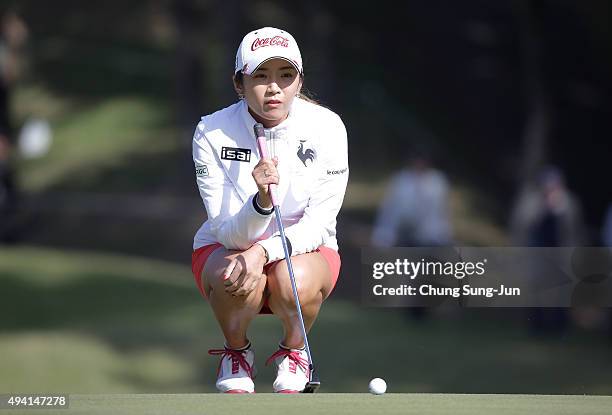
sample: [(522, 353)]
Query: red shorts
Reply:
[(200, 255)]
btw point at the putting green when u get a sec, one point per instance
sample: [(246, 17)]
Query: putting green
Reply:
[(337, 404)]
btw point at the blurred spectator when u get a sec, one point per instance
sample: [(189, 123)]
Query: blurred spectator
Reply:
[(547, 213), (414, 211), (13, 34)]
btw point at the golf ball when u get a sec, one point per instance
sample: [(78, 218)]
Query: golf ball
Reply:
[(377, 386)]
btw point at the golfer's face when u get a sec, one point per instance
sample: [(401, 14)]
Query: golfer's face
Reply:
[(270, 91)]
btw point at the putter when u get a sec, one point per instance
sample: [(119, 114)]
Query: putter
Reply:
[(313, 382)]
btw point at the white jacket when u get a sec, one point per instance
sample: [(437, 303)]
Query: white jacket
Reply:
[(311, 147)]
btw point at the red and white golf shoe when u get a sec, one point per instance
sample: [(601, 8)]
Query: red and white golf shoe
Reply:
[(236, 370), (292, 370)]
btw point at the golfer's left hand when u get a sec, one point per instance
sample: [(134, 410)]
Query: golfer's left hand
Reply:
[(245, 271)]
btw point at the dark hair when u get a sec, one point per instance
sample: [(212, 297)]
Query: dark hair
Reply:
[(304, 94)]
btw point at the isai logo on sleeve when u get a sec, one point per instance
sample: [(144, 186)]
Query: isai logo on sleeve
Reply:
[(307, 156), (237, 154), (201, 170)]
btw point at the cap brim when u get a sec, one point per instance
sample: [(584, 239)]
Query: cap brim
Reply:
[(276, 57)]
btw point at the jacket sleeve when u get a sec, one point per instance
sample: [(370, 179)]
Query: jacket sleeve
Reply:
[(318, 223), (233, 231)]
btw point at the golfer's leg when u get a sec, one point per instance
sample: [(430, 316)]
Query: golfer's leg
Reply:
[(234, 313), (314, 283)]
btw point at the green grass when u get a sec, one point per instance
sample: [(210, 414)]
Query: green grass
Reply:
[(83, 322), (350, 404), (94, 138)]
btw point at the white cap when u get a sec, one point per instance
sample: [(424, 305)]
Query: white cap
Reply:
[(264, 44)]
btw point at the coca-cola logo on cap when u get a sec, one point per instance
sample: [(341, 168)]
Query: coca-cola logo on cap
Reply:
[(270, 41)]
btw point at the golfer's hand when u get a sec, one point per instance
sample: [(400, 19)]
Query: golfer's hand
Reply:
[(245, 271), (265, 173)]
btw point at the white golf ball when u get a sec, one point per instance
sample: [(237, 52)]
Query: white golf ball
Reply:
[(377, 386)]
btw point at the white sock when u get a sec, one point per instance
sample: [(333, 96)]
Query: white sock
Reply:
[(282, 346), (248, 346)]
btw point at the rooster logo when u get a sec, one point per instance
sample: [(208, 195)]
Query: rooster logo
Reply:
[(308, 156)]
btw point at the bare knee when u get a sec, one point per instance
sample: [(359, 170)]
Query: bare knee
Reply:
[(213, 272), (280, 288)]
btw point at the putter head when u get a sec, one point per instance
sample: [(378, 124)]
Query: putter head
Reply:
[(313, 385)]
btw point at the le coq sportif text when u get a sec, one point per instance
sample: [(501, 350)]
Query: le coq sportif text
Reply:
[(413, 269)]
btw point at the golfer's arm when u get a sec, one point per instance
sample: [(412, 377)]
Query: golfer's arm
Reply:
[(237, 231)]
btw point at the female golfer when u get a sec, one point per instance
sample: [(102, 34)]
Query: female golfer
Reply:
[(238, 257)]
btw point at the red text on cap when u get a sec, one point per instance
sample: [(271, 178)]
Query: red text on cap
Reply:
[(270, 41)]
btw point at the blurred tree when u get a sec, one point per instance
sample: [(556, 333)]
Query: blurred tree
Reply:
[(538, 113), (188, 19)]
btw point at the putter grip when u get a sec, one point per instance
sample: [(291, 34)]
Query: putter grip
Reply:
[(263, 153)]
